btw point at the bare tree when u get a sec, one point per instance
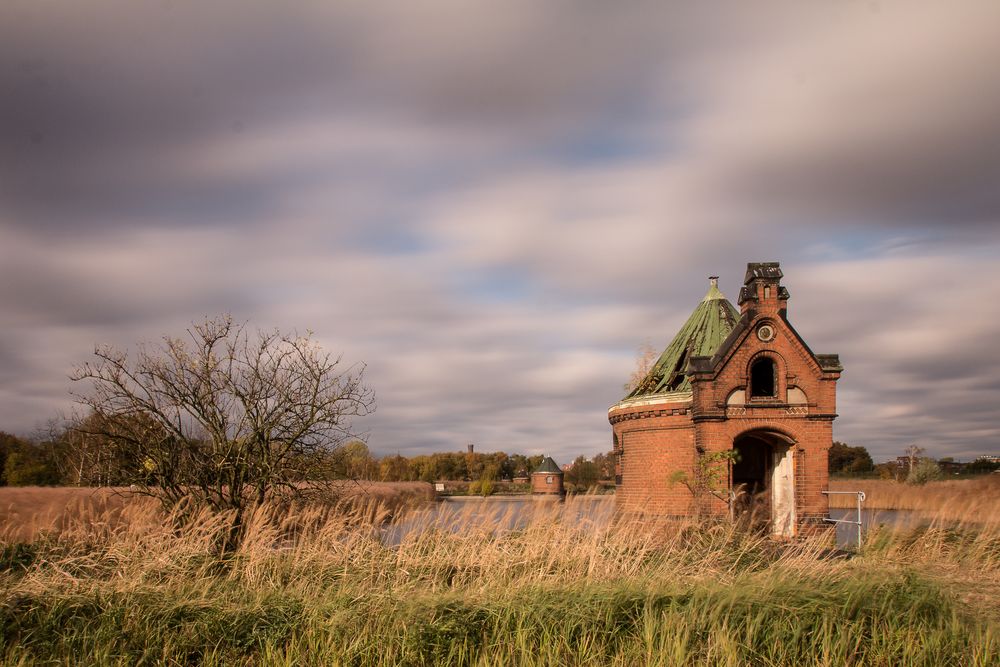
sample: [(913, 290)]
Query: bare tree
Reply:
[(224, 417), (646, 356), (81, 455), (913, 454)]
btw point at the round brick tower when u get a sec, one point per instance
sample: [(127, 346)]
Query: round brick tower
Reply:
[(547, 479), (735, 416)]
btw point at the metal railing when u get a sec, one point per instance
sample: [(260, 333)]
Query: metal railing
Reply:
[(859, 522)]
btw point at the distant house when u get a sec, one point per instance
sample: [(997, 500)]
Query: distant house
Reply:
[(547, 478), (951, 467)]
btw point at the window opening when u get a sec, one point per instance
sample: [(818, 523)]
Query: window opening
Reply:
[(762, 379), (619, 451)]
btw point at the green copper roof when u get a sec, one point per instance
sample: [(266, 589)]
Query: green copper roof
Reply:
[(548, 466), (701, 335)]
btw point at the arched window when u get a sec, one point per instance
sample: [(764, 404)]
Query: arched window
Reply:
[(619, 452), (763, 380)]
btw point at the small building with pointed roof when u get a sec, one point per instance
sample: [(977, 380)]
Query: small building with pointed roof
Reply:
[(547, 478), (734, 417)]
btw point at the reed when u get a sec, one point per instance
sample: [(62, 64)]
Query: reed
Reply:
[(31, 511), (556, 584), (955, 499)]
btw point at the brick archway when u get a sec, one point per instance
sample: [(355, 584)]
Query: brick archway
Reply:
[(763, 480)]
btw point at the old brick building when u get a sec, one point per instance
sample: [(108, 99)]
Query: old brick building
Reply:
[(547, 478), (731, 380)]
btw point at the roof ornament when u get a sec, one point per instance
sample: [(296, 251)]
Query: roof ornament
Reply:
[(713, 289)]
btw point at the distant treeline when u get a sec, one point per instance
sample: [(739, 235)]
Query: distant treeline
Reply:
[(70, 457), (469, 466), (914, 467)]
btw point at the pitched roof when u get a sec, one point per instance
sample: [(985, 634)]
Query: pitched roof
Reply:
[(701, 335), (547, 466)]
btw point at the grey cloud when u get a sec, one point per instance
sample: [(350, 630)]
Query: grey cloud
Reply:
[(880, 120), (104, 103), (357, 170), (915, 336)]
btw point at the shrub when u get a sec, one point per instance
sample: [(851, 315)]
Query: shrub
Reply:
[(923, 471)]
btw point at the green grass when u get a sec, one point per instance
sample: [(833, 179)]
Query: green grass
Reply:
[(897, 620), (557, 592)]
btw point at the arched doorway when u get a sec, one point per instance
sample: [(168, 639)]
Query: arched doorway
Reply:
[(763, 481)]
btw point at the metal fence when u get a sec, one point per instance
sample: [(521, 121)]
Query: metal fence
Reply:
[(861, 499)]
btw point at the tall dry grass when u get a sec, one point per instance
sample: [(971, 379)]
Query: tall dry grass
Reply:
[(955, 499), (27, 512), (31, 511), (555, 583)]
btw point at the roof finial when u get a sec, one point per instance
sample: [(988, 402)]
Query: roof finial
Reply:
[(713, 289)]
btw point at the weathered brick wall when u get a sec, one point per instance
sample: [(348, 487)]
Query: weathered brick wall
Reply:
[(809, 425), (540, 485), (654, 442), (809, 451)]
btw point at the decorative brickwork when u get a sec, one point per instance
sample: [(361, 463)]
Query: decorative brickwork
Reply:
[(763, 393)]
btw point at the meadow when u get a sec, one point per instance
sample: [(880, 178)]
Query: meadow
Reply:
[(317, 585)]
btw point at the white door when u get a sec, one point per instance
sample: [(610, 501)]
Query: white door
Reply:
[(782, 493)]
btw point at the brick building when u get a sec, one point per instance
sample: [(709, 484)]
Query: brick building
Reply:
[(547, 478), (731, 380)]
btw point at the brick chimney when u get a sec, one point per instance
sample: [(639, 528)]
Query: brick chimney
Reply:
[(762, 290)]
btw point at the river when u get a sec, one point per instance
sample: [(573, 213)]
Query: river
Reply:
[(505, 513)]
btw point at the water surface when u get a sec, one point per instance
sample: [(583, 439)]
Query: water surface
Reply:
[(507, 513)]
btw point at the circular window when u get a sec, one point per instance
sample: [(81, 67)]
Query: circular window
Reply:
[(765, 332)]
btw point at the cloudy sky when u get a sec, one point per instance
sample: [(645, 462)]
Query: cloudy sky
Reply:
[(494, 204)]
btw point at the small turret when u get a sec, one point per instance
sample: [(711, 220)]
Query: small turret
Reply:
[(762, 289)]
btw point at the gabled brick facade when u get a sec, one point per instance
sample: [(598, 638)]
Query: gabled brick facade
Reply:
[(763, 393)]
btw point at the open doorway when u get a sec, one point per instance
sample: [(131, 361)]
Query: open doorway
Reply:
[(763, 482)]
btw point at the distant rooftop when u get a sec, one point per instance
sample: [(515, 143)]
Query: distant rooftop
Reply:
[(548, 466)]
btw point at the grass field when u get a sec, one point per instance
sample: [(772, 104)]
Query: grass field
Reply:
[(316, 586)]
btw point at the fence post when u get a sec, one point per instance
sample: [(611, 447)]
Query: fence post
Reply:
[(860, 521)]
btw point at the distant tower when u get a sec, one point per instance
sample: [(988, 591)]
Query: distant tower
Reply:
[(471, 447), (732, 380), (547, 479)]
